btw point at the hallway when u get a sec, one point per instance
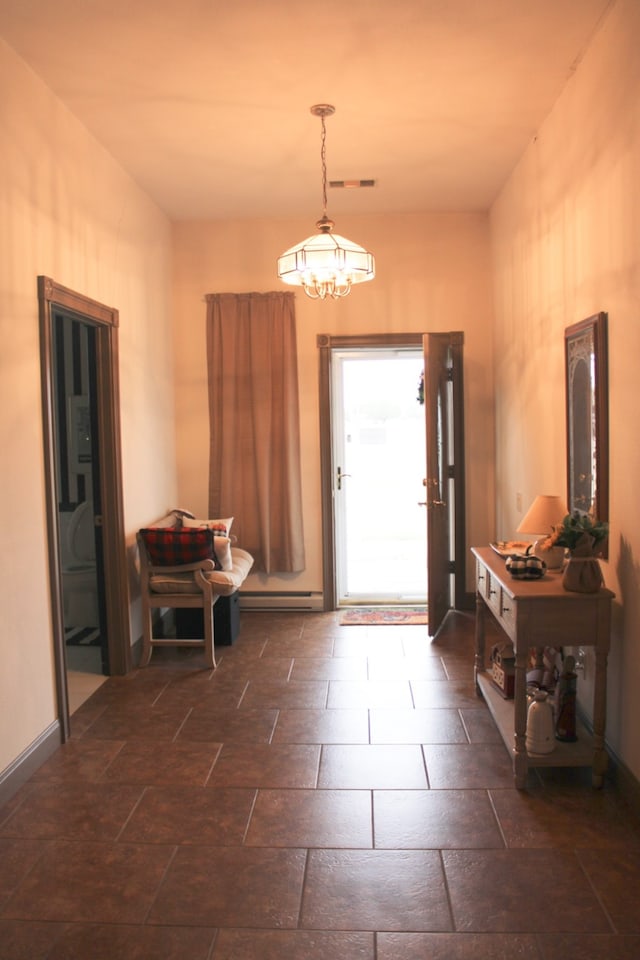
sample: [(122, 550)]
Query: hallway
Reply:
[(327, 793)]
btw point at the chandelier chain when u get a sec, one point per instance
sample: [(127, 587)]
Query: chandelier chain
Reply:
[(323, 157)]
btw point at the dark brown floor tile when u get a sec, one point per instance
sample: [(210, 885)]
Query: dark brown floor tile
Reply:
[(444, 693), (479, 725), (91, 882), (369, 693), (177, 763), (588, 947), (459, 946), (261, 694), (73, 811), (615, 876), (580, 817), (17, 857), (320, 624), (417, 726), (525, 886), (364, 767), (374, 890), (225, 694), (322, 726), (283, 646), (214, 725), (82, 719), (28, 940), (468, 765), (190, 815), (80, 760), (267, 765), (108, 942), (265, 624), (137, 722), (231, 887), (434, 819), (329, 668), (406, 668), (292, 945), (458, 668), (258, 668), (311, 818)]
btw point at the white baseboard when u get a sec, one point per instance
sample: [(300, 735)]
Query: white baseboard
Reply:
[(282, 601)]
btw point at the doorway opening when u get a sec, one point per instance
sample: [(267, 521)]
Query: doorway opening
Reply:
[(443, 493), (83, 481), (79, 501), (379, 460)]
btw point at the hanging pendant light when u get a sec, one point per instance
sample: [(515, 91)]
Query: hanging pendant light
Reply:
[(325, 265)]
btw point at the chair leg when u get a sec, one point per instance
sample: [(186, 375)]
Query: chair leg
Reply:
[(147, 635), (209, 638)]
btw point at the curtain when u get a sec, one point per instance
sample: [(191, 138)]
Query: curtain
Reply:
[(254, 458)]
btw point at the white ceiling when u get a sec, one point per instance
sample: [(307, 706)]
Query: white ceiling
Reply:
[(206, 103)]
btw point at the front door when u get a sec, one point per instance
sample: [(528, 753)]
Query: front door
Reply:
[(379, 463), (445, 557)]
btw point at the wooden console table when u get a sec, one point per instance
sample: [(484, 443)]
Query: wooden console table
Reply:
[(541, 613)]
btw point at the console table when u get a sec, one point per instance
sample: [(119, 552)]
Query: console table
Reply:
[(536, 614)]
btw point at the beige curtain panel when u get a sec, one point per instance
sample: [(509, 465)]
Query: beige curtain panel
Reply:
[(254, 461)]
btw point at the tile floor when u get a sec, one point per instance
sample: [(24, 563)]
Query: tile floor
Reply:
[(328, 793)]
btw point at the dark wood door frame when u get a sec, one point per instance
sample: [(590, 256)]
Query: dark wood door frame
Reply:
[(326, 343), (53, 297)]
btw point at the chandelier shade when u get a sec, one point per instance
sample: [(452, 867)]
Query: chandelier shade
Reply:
[(325, 264)]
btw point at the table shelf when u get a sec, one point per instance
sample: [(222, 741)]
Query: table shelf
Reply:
[(577, 754), (535, 614)]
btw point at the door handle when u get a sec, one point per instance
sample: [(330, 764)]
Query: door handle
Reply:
[(340, 477)]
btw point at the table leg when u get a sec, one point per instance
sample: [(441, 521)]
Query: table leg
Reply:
[(600, 758), (520, 761), (480, 642)]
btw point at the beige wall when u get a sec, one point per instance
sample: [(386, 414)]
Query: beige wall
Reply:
[(432, 274), (68, 212), (566, 244)]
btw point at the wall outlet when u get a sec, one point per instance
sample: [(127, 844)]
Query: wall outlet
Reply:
[(519, 502)]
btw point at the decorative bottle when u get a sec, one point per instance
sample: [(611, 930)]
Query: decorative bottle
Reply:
[(565, 697)]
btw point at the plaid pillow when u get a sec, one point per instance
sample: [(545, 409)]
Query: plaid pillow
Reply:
[(169, 546)]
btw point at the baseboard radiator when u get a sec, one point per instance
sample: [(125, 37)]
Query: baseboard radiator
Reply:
[(287, 600)]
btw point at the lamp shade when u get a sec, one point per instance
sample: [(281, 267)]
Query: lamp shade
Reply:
[(542, 516), (326, 265)]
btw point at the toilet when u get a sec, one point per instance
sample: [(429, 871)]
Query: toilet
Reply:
[(79, 587)]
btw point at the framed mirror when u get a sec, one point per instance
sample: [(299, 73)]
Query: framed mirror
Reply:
[(587, 417)]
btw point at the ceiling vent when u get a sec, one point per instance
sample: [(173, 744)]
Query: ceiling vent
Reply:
[(351, 184)]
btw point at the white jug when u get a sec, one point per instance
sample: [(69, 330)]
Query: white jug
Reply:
[(540, 728)]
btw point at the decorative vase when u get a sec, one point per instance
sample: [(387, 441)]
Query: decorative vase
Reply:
[(582, 573), (540, 737)]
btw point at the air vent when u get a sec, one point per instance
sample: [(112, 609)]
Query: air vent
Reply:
[(351, 184)]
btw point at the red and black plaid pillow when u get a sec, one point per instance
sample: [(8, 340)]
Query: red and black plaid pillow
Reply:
[(171, 546)]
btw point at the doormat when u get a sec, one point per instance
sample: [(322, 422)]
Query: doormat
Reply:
[(372, 616), (82, 636)]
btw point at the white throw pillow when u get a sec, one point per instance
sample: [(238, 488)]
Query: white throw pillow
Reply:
[(218, 526)]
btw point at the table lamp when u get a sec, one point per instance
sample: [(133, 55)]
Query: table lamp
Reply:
[(543, 515)]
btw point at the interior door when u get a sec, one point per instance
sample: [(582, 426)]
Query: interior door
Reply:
[(444, 482)]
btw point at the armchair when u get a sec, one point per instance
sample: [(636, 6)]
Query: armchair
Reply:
[(167, 582)]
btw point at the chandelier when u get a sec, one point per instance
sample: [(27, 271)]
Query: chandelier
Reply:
[(326, 264)]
